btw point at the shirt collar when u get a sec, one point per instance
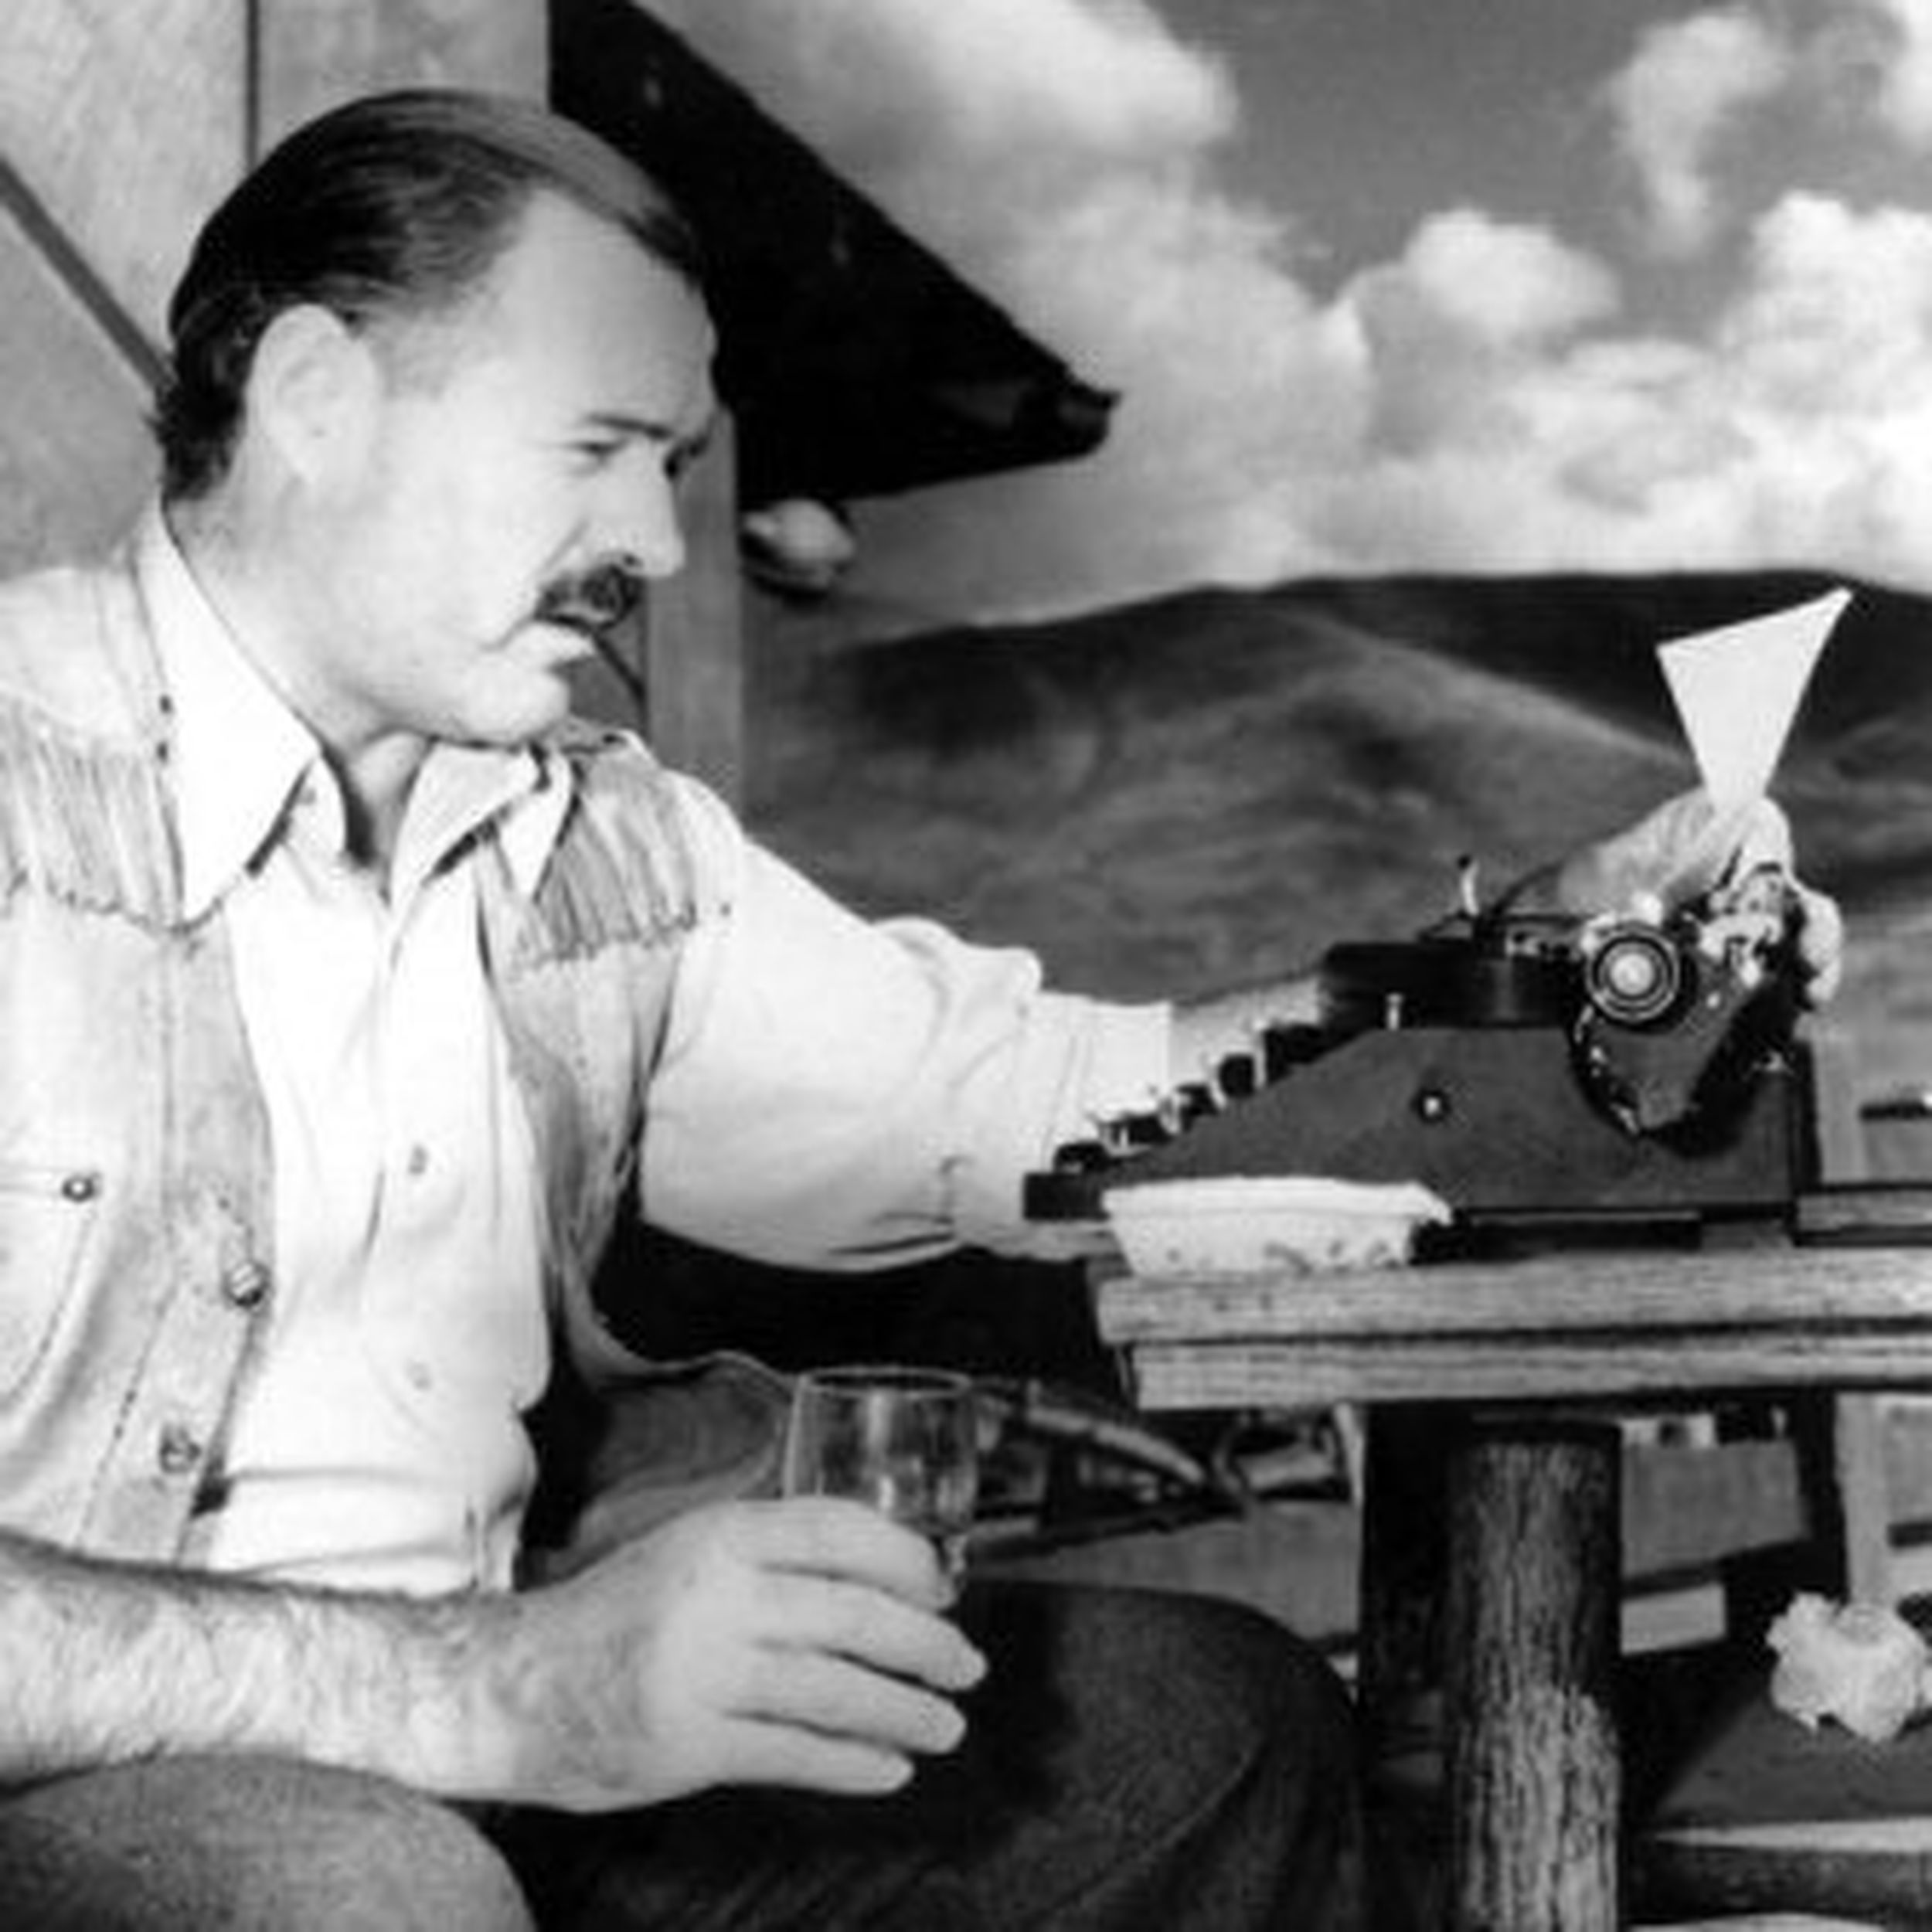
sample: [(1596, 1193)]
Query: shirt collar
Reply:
[(237, 752), (460, 789), (243, 762)]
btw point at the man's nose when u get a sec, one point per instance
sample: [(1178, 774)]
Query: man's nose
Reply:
[(642, 521)]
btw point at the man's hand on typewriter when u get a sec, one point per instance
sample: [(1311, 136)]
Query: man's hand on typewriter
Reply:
[(1209, 1031), (1679, 855)]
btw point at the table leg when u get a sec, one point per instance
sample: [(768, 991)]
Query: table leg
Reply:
[(1531, 1633)]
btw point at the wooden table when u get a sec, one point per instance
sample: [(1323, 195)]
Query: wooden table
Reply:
[(1527, 1359)]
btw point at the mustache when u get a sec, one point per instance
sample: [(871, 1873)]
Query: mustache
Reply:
[(594, 600)]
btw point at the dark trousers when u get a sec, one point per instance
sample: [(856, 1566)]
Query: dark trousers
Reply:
[(1137, 1762)]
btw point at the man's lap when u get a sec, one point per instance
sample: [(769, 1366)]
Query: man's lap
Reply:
[(1131, 1759)]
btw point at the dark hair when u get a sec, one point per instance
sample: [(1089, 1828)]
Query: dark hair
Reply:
[(394, 207)]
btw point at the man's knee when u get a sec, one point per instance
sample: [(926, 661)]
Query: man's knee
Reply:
[(1265, 1688), (244, 1843), (1226, 1699), (1250, 1807), (1197, 1759), (1196, 1676)]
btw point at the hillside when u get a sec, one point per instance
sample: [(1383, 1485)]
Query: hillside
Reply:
[(1208, 788)]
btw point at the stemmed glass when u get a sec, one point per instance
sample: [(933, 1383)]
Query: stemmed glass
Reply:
[(904, 1441)]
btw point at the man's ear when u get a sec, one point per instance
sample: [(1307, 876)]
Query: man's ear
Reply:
[(312, 388)]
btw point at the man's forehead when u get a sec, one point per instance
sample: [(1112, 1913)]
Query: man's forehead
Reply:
[(554, 232), (602, 308)]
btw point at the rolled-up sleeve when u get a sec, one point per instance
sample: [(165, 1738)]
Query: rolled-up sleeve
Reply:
[(836, 1092)]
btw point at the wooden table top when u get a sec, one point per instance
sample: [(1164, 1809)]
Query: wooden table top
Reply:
[(1617, 1323)]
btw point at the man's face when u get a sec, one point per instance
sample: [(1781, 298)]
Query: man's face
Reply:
[(448, 541)]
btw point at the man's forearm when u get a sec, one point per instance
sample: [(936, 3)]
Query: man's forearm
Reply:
[(100, 1663)]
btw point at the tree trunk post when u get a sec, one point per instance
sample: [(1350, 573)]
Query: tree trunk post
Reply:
[(1531, 1624)]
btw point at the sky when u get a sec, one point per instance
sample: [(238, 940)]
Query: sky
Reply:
[(1393, 285)]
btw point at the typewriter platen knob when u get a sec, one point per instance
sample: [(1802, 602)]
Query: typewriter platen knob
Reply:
[(1633, 975)]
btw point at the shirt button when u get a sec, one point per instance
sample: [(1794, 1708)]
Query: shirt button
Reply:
[(179, 1450), (418, 1162), (81, 1186), (417, 1371), (245, 1284)]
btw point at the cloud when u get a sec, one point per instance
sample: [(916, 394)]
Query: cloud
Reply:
[(1490, 397), (1687, 86), (1061, 154), (1450, 330), (1905, 67), (1232, 379), (954, 116), (1798, 429), (1503, 284)]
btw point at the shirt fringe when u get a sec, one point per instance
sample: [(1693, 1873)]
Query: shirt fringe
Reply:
[(86, 823), (626, 875), (83, 822)]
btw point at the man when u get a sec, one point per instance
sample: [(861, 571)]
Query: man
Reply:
[(349, 990)]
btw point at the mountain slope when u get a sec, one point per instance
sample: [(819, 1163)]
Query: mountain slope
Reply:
[(1208, 788)]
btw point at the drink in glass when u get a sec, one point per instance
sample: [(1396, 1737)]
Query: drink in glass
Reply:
[(904, 1441)]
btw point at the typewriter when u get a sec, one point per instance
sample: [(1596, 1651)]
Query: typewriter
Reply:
[(1636, 1070)]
